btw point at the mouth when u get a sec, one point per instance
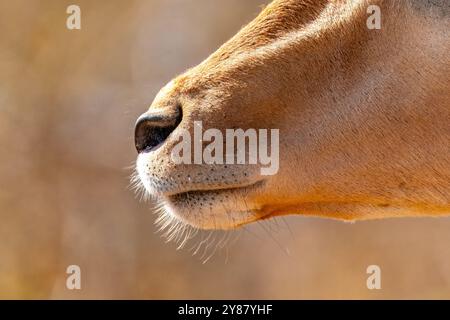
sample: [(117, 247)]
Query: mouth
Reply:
[(217, 197), (208, 192)]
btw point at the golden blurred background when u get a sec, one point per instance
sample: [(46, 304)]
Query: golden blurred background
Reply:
[(68, 103)]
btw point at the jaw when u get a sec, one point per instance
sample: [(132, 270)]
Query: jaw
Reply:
[(355, 211)]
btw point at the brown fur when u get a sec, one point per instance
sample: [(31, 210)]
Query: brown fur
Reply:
[(364, 115)]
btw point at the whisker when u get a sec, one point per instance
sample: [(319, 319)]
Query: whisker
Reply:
[(284, 249)]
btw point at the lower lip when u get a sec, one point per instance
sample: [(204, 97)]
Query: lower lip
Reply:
[(199, 193), (249, 187)]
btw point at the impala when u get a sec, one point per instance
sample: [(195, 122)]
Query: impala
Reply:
[(363, 117)]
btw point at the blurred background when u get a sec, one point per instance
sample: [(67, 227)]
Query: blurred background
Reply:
[(68, 103)]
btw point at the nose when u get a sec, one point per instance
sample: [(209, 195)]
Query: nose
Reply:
[(153, 128)]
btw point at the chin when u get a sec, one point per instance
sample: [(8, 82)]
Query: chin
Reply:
[(220, 209)]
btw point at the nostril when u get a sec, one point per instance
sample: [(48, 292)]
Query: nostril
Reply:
[(153, 128)]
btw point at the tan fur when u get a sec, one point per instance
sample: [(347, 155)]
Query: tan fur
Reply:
[(364, 116)]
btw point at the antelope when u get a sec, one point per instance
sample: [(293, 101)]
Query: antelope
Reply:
[(363, 117)]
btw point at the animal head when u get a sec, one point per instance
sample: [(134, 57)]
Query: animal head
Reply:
[(348, 122)]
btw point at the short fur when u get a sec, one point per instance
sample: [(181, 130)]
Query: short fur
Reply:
[(364, 116)]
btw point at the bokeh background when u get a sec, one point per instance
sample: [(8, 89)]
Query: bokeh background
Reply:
[(68, 103)]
